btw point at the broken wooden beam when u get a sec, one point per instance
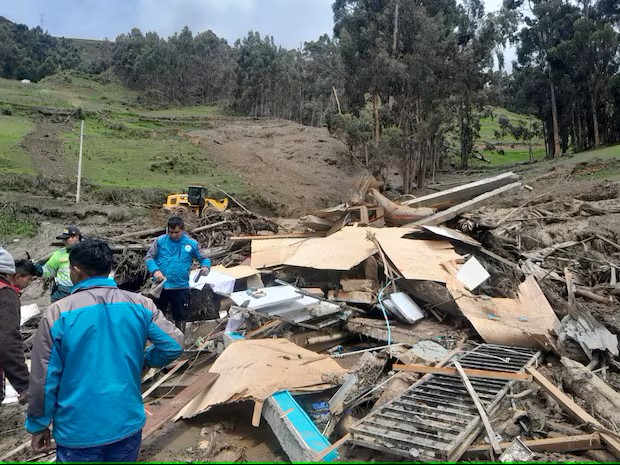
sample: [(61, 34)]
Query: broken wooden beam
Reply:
[(574, 410), (208, 226), (325, 452), (481, 411), (279, 236), (581, 292), (472, 373), (173, 406), (453, 212), (451, 197), (142, 233), (560, 444)]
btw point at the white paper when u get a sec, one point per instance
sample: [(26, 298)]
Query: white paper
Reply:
[(472, 274)]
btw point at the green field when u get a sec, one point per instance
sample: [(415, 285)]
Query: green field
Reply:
[(11, 227), (514, 151), (13, 158), (124, 145), (139, 158)]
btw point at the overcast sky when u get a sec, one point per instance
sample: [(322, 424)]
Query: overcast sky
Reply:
[(291, 22)]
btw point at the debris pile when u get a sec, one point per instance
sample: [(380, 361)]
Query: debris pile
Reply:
[(413, 327)]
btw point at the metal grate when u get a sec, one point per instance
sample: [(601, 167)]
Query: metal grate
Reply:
[(436, 419)]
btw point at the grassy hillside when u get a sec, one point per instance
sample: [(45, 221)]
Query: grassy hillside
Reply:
[(513, 151), (13, 157), (124, 145)]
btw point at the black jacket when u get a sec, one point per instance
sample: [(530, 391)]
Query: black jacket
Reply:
[(12, 359)]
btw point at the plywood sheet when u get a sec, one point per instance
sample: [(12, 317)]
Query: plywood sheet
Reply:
[(340, 251), (416, 259), (256, 369), (237, 272), (524, 321), (274, 251)]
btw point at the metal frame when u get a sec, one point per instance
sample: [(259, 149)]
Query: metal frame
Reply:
[(436, 419)]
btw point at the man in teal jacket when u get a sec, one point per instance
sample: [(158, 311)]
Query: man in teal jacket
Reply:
[(170, 258), (87, 363)]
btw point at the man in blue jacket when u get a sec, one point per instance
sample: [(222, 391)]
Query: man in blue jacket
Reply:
[(170, 258), (87, 363)]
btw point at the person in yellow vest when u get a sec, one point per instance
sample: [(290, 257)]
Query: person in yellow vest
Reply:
[(57, 266)]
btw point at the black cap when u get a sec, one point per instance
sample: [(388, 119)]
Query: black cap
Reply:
[(68, 232)]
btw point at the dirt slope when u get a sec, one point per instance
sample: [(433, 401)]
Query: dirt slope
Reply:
[(289, 167)]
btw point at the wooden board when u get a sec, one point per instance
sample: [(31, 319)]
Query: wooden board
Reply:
[(505, 375), (237, 272), (416, 259), (561, 444), (574, 410), (450, 197), (171, 407), (255, 369), (453, 212), (340, 251), (525, 321), (399, 332)]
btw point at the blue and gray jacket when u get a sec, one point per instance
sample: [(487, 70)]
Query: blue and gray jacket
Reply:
[(87, 362), (174, 259)]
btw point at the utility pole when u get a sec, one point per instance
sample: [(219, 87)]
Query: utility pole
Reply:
[(79, 176)]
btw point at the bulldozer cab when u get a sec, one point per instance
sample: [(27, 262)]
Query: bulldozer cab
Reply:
[(196, 195)]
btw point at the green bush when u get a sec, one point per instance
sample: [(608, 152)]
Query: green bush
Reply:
[(6, 110), (12, 227)]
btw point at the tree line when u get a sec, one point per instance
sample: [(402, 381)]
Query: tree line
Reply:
[(32, 53), (398, 79)]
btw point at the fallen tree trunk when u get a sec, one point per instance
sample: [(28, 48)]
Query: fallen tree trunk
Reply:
[(399, 215), (599, 397)]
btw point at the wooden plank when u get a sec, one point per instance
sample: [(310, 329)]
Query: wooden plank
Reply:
[(560, 444), (170, 407), (278, 236), (208, 226), (271, 325), (174, 369), (570, 286), (142, 233), (569, 405), (258, 410), (451, 197), (453, 212), (472, 373), (483, 414), (325, 452)]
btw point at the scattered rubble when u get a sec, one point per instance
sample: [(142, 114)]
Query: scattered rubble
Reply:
[(415, 329)]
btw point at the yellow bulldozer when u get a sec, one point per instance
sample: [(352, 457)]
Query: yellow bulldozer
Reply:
[(196, 201)]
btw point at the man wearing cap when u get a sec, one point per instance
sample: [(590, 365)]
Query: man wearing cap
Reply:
[(14, 276), (170, 258), (57, 266)]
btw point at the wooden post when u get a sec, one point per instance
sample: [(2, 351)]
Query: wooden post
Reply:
[(483, 414), (611, 440), (79, 176)]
